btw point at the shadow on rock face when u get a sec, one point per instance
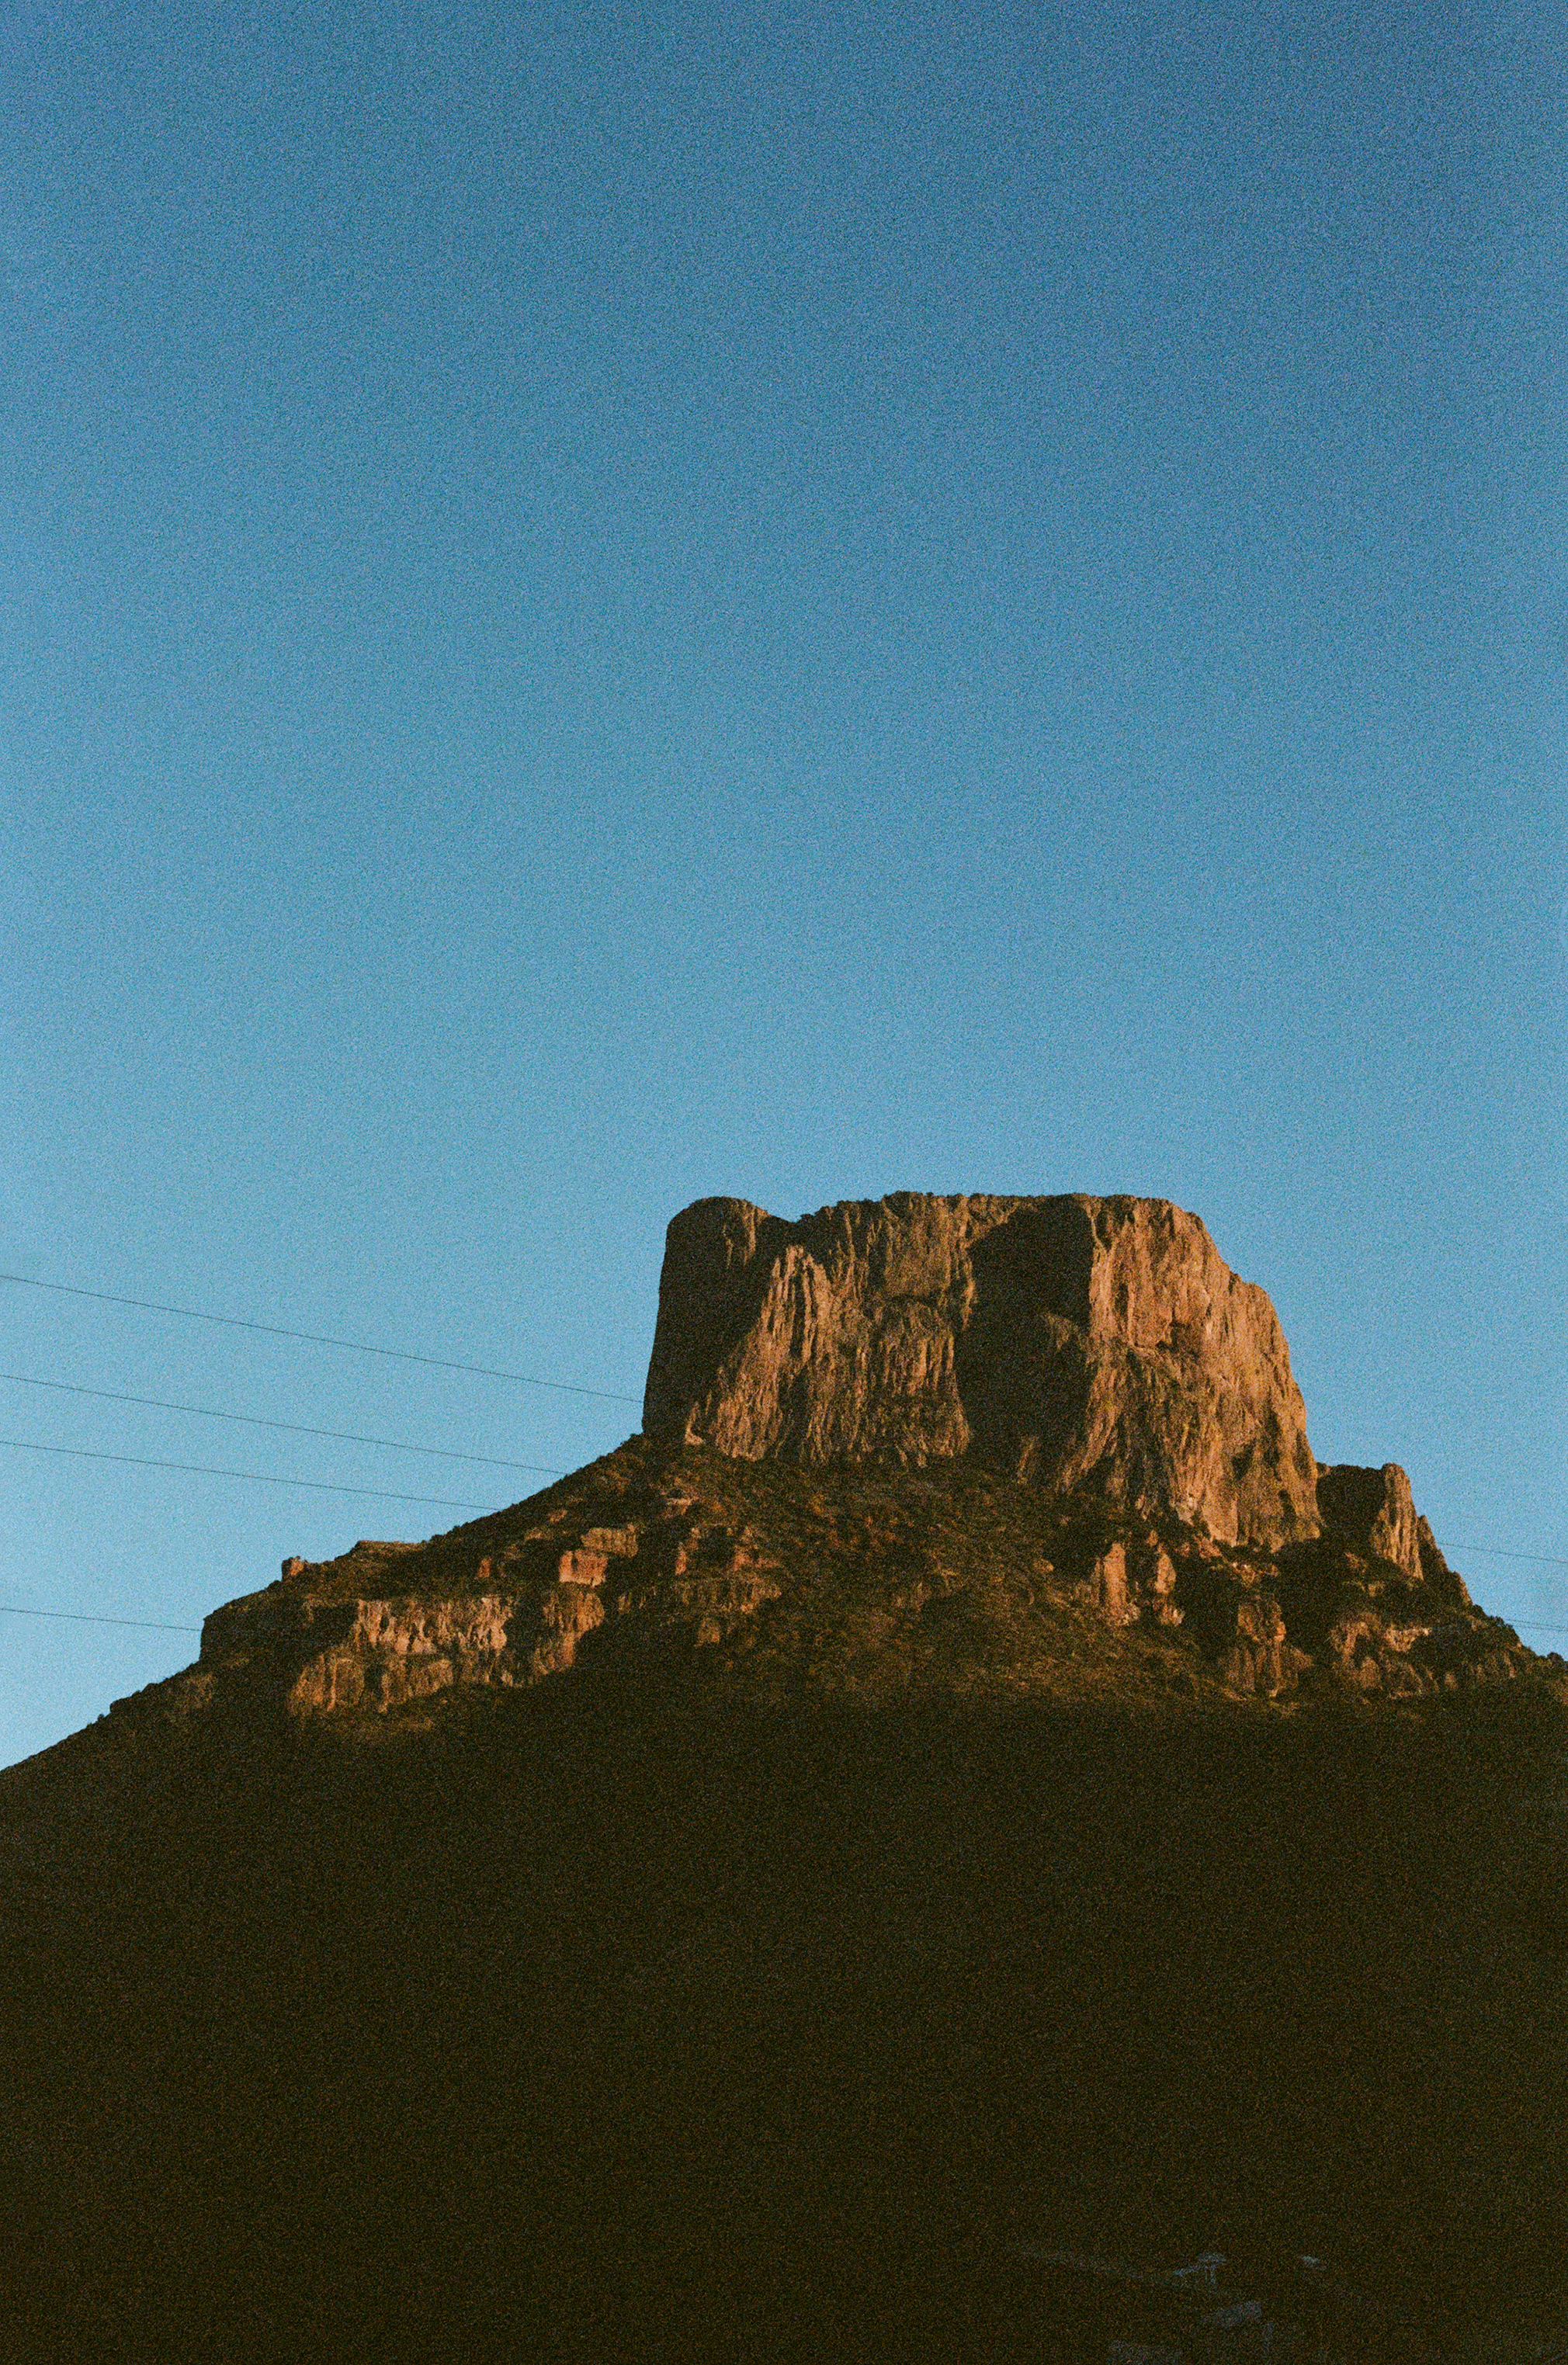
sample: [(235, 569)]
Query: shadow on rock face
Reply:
[(1066, 1339), (1021, 1357)]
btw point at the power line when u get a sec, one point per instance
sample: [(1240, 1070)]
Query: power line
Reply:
[(85, 1617), (1501, 1552), (295, 1429), (262, 1477), (319, 1338)]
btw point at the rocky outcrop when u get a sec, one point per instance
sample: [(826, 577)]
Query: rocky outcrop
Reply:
[(1077, 1343), (328, 1636), (779, 1577), (1132, 1580), (1371, 1515), (390, 1624), (1322, 1607), (1372, 1512)]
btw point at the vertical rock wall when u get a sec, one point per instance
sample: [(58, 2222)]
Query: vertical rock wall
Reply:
[(1076, 1342)]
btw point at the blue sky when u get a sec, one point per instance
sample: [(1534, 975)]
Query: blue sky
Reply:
[(794, 603)]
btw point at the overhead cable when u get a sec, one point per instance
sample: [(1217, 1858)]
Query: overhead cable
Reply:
[(320, 1338), (261, 1477), (295, 1428), (1502, 1551), (85, 1617)]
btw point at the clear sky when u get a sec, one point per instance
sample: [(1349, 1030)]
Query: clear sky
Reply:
[(602, 605)]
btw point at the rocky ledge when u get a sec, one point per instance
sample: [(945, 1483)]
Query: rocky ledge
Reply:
[(879, 1581), (505, 1601)]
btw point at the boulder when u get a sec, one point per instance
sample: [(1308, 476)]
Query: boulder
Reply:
[(1075, 1342)]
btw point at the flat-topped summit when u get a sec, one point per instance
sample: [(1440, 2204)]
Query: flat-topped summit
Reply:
[(1049, 1409), (1078, 1343)]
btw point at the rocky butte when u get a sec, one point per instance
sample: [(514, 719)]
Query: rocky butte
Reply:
[(1095, 1358), (1100, 1344)]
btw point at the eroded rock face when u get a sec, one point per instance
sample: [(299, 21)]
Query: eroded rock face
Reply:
[(1251, 1616), (381, 1627), (1135, 1579), (1087, 1343), (1372, 1513), (778, 1577)]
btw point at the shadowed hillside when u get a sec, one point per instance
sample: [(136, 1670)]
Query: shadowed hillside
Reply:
[(746, 1997)]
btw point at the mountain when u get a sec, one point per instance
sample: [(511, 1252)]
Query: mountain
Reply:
[(893, 1423), (966, 1776)]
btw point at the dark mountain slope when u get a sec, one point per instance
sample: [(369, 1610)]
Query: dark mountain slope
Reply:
[(746, 1997)]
